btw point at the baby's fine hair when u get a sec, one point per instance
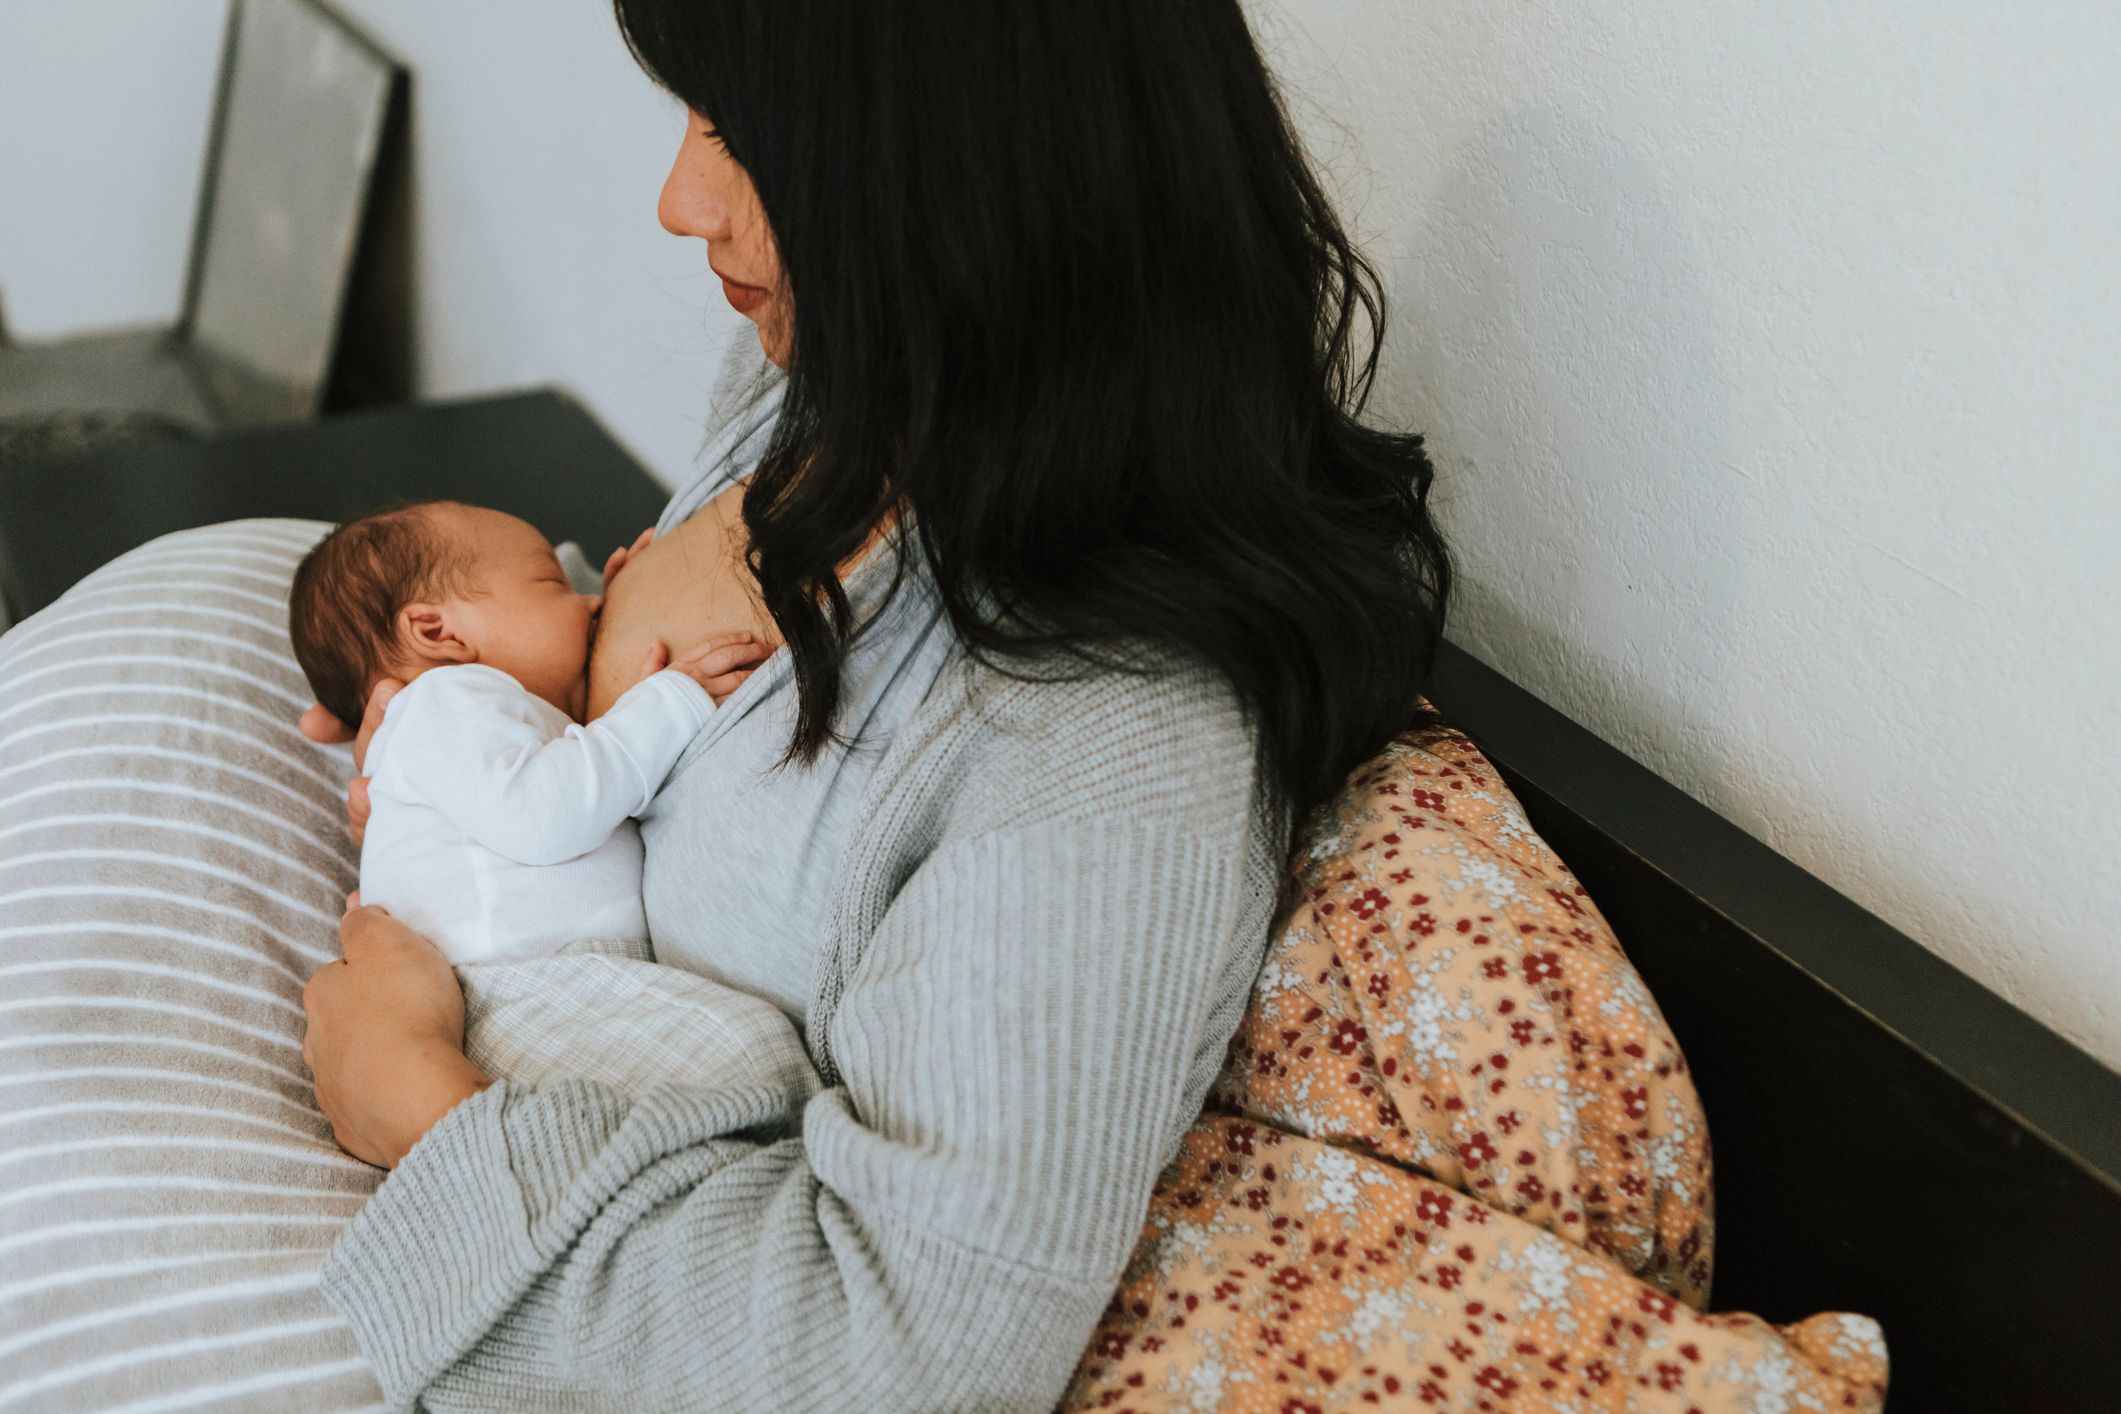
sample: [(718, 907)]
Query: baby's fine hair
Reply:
[(342, 608)]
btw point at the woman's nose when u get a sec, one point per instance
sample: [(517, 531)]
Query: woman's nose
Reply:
[(689, 208)]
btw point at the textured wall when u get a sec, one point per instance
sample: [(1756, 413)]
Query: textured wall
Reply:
[(103, 115), (1772, 358), (539, 150), (538, 153), (1769, 353)]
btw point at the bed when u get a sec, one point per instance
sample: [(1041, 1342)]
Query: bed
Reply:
[(1890, 1138)]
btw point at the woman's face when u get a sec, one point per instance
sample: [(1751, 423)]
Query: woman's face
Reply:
[(709, 195)]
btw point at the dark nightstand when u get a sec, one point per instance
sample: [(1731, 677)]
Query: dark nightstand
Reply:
[(538, 455)]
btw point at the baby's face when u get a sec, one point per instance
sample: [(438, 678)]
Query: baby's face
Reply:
[(517, 608)]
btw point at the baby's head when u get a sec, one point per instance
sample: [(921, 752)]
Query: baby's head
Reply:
[(426, 586)]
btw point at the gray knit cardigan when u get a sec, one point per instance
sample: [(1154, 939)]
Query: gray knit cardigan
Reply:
[(1044, 930)]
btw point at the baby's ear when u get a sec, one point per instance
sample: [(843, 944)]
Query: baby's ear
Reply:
[(427, 635)]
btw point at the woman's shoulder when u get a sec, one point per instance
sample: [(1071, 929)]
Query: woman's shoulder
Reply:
[(1161, 737)]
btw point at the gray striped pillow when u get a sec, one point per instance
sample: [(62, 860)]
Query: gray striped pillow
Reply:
[(172, 861)]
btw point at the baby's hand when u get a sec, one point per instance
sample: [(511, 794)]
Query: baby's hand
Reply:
[(719, 664), (619, 557)]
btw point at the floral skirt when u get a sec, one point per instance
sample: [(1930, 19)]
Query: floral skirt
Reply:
[(1455, 1160)]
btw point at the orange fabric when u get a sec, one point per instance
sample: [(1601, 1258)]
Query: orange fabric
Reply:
[(1454, 1160)]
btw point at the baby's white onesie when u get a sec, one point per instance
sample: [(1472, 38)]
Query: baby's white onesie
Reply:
[(501, 829)]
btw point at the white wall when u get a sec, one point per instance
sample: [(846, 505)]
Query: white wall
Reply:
[(538, 153), (103, 115), (1772, 357), (1769, 353)]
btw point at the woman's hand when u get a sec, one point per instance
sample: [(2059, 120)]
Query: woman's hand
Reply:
[(619, 557), (386, 1038), (319, 725)]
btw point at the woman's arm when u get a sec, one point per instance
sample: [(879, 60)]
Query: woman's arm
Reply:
[(1019, 1049), (385, 1040)]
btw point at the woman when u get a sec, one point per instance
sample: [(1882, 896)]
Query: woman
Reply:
[(1069, 391)]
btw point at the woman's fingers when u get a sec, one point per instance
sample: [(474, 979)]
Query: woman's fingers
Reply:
[(365, 931), (372, 717), (658, 658), (357, 808), (642, 541), (321, 726)]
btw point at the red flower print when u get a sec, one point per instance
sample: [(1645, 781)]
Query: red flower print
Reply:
[(1423, 923), (1637, 1101), (1657, 1304), (1434, 1209), (1429, 800), (1348, 1037), (1521, 1031), (1290, 1279), (1380, 986), (1477, 1151), (1368, 903), (1238, 1138), (1447, 1277), (1495, 1381), (1541, 967)]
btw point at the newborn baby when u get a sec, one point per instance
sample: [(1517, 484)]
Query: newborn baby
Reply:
[(500, 826)]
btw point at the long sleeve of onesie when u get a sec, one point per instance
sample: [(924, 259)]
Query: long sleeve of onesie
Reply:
[(519, 778)]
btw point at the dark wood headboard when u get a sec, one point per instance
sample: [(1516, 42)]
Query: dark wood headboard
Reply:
[(1889, 1136)]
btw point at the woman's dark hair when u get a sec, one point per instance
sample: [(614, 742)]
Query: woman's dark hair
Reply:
[(1065, 285)]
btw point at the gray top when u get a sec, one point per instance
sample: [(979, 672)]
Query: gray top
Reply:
[(1032, 952), (740, 857)]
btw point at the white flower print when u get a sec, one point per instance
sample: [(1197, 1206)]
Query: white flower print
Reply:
[(1859, 1335), (1379, 1310), (1207, 1379), (1501, 885), (1335, 1171)]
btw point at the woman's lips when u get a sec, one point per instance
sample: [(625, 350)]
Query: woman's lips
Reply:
[(744, 298)]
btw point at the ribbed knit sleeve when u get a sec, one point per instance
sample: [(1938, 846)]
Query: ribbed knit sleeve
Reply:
[(1018, 1046)]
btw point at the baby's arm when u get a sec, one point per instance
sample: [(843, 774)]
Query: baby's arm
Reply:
[(478, 749)]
